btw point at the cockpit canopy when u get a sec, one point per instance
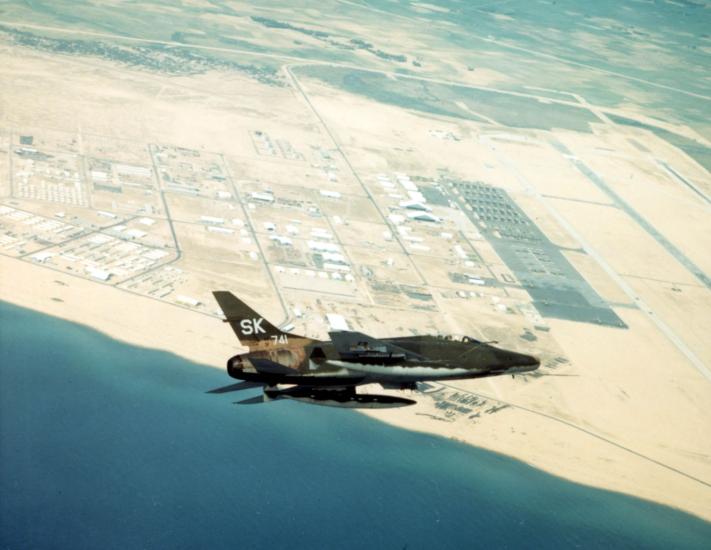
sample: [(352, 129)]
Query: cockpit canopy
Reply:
[(366, 346), (459, 338)]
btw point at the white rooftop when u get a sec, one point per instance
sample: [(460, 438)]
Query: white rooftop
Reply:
[(337, 322)]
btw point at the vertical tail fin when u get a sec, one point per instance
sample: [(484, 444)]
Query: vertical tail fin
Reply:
[(249, 326)]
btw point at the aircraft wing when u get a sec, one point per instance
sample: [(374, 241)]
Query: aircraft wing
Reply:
[(344, 398), (238, 387)]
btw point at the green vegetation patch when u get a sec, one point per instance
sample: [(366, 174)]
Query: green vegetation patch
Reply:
[(697, 151), (442, 99), (352, 44), (154, 57)]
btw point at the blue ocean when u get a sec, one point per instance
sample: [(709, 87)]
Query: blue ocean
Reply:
[(105, 445)]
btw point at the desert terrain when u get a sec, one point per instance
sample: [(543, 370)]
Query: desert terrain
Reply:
[(439, 199)]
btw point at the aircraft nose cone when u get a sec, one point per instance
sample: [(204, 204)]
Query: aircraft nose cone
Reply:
[(513, 359), (525, 362)]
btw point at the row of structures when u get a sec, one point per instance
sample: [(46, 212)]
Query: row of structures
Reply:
[(327, 255), (313, 274), (264, 145), (95, 255), (58, 177), (114, 176), (191, 172), (415, 203), (102, 257), (53, 178), (22, 230), (324, 255)]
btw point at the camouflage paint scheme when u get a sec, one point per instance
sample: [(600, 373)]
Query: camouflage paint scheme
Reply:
[(327, 371)]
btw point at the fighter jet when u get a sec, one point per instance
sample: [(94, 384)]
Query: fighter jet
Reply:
[(327, 372)]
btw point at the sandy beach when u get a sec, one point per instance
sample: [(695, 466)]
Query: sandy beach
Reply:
[(135, 180), (570, 446)]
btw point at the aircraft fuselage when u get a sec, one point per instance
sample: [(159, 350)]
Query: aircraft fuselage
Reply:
[(327, 372)]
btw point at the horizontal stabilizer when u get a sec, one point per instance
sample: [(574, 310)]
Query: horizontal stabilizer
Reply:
[(346, 398), (256, 400), (237, 387)]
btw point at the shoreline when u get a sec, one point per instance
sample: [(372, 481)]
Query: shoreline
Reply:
[(545, 444)]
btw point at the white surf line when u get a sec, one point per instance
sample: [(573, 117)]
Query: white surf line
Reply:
[(626, 288)]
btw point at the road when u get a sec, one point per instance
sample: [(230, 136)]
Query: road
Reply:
[(297, 86), (586, 431), (594, 254), (248, 220), (390, 74)]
